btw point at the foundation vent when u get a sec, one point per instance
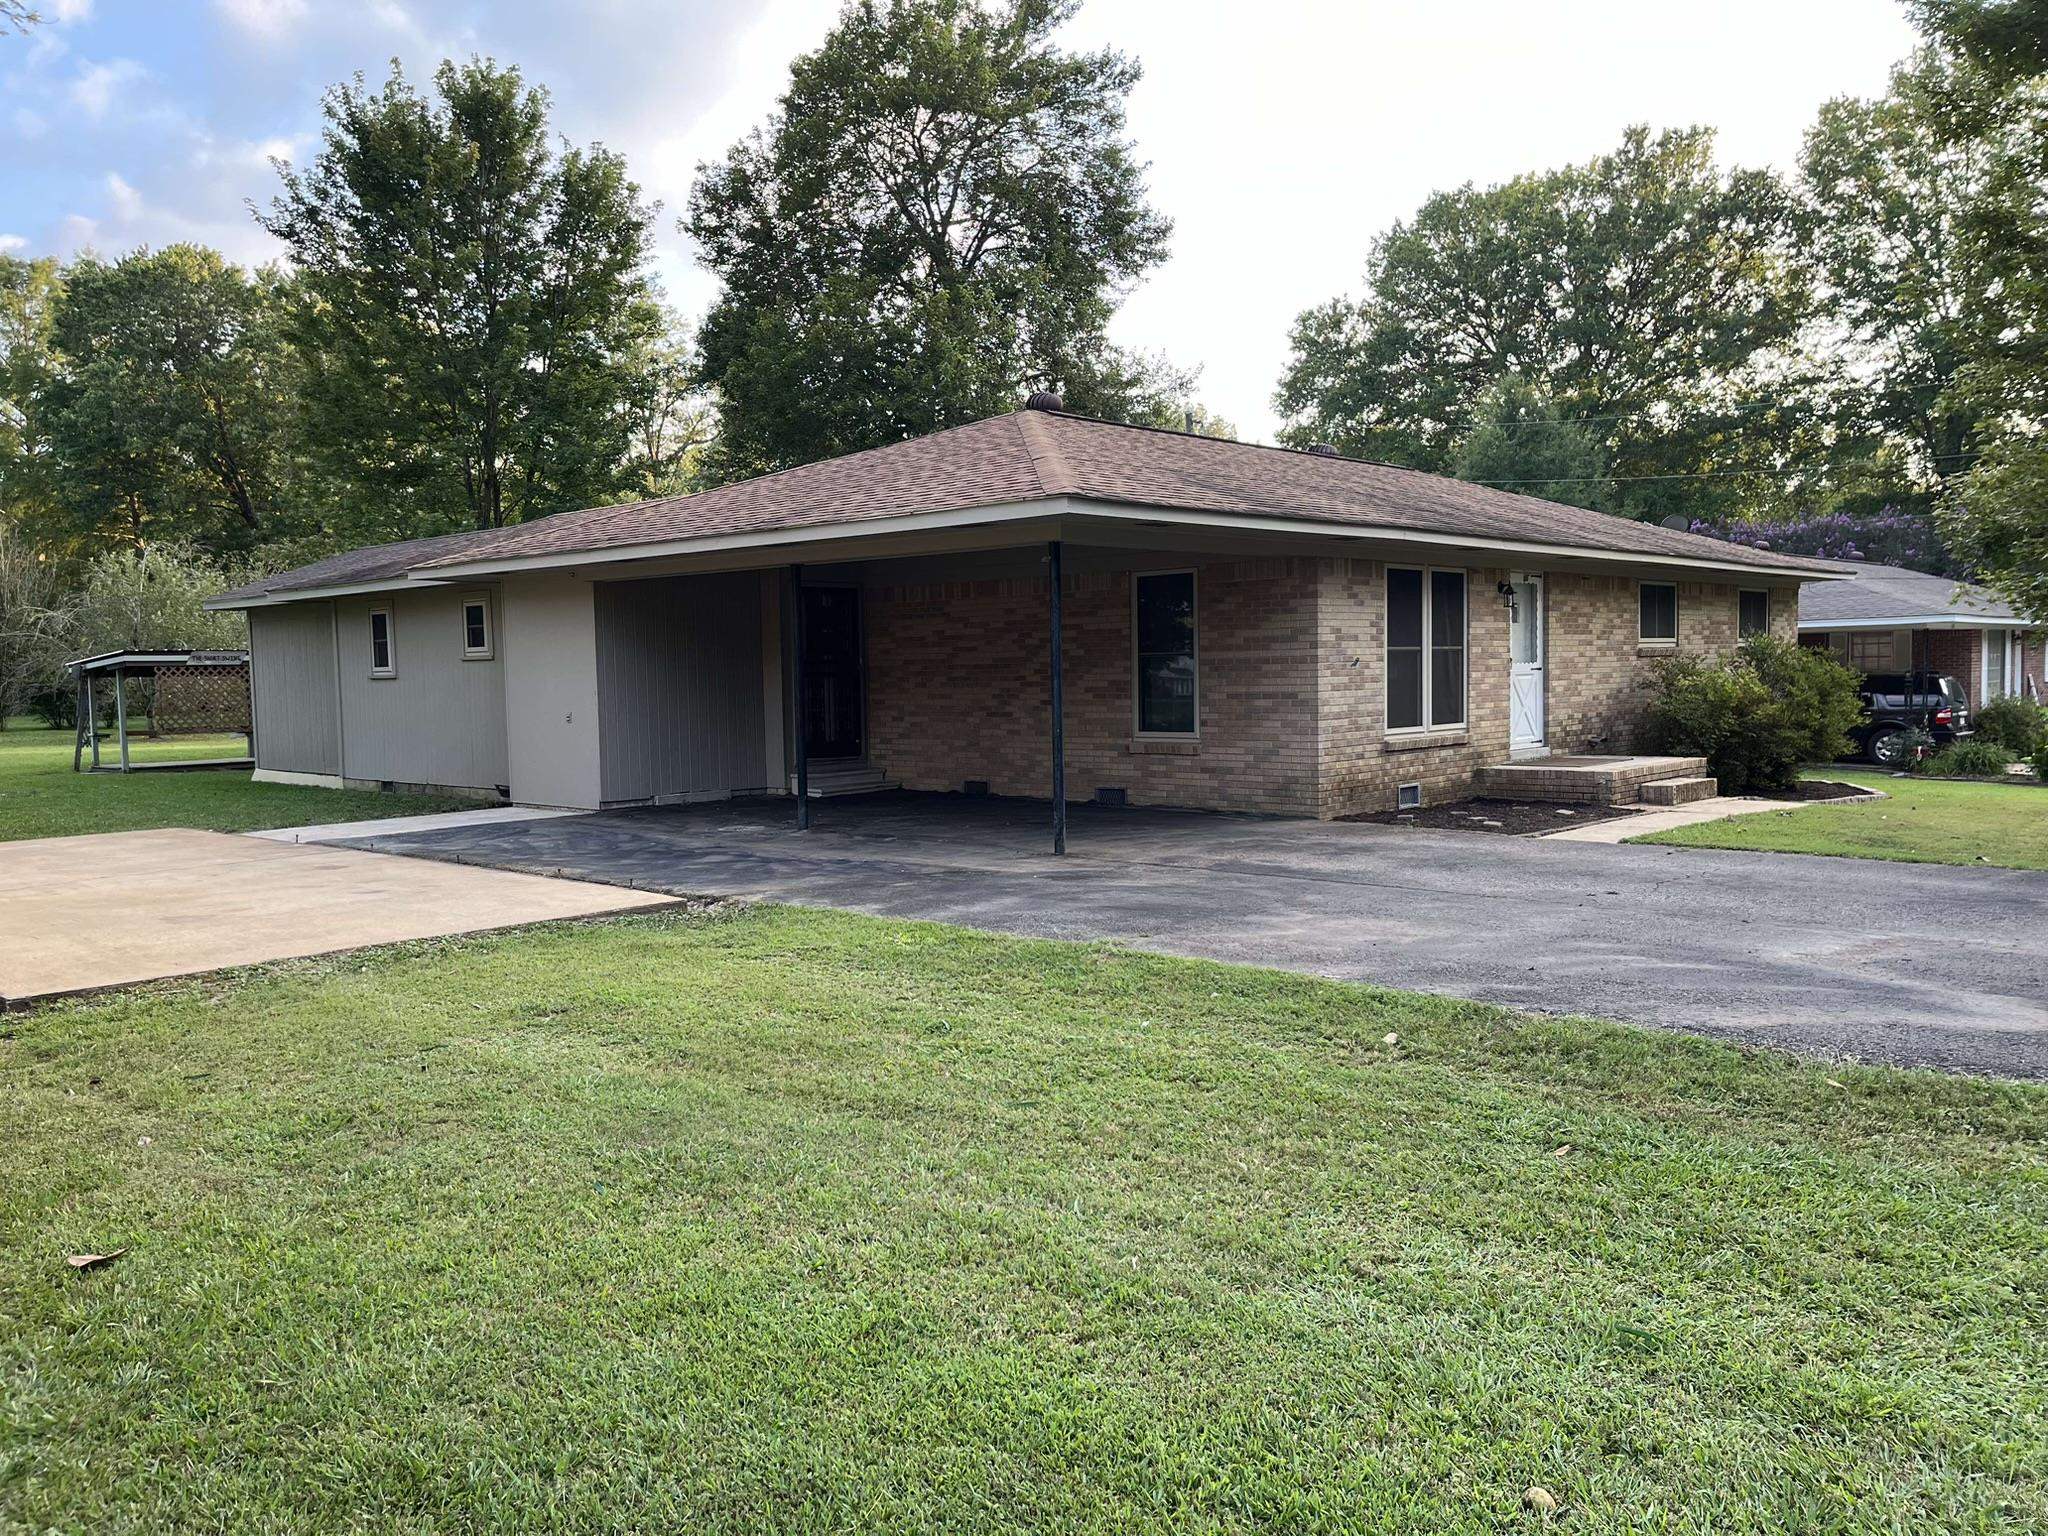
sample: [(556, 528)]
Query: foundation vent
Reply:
[(1111, 795), (1408, 797), (977, 788)]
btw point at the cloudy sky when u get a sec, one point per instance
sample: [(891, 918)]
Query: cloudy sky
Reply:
[(1282, 135)]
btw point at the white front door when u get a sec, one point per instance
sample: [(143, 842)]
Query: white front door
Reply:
[(1525, 665)]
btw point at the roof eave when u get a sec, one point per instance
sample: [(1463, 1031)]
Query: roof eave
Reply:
[(1070, 506), (405, 582)]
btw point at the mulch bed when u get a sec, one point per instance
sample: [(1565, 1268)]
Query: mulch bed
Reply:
[(1514, 818), (1814, 789)]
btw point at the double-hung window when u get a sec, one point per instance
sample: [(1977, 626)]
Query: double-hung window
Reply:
[(383, 644), (476, 627), (1425, 649), (1752, 614), (1657, 613), (1163, 629)]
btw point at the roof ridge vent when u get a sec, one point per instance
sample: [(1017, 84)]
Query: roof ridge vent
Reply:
[(1044, 400), (1325, 450)]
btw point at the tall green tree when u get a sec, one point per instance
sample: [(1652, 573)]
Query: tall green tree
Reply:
[(2006, 39), (478, 302), (1521, 442), (670, 420), (1888, 191), (169, 411), (30, 291), (940, 217), (1641, 292)]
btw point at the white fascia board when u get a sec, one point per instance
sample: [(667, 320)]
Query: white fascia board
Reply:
[(406, 583), (1920, 621), (1067, 506)]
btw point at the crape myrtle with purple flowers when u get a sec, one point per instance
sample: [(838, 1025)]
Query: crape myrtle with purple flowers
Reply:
[(1887, 537)]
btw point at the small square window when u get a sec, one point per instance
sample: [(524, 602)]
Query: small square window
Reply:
[(383, 646), (1657, 613), (1752, 614), (476, 627)]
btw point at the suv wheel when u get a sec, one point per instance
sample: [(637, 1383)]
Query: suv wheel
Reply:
[(1886, 747)]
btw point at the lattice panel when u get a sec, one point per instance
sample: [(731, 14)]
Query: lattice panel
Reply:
[(197, 701)]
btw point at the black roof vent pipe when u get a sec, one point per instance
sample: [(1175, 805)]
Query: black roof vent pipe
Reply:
[(1327, 450)]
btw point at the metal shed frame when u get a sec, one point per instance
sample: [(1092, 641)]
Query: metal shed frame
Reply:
[(119, 666)]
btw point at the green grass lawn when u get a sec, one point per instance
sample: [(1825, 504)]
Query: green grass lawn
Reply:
[(1926, 821), (41, 797), (797, 1221)]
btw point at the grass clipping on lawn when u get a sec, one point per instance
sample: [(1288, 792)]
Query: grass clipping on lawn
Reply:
[(794, 1221)]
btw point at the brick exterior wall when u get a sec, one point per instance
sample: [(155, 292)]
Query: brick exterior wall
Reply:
[(1600, 674), (959, 687), (1291, 683)]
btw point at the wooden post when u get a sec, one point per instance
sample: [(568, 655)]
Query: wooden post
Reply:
[(796, 693), (78, 721), (92, 720), (1059, 724), (121, 712)]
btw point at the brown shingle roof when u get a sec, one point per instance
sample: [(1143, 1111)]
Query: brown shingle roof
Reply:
[(1036, 455), (377, 562)]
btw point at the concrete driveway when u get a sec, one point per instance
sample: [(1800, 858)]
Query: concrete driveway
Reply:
[(81, 913), (1840, 958)]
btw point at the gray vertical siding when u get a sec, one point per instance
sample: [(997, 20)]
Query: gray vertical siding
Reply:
[(441, 720), (680, 687), (291, 679)]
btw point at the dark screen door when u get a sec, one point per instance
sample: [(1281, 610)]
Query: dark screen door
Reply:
[(834, 717)]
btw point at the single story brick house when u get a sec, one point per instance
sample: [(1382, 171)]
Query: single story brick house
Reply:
[(1223, 626), (1889, 619)]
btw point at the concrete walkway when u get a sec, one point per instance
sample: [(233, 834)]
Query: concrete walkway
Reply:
[(82, 913), (435, 821), (1840, 958), (1643, 823)]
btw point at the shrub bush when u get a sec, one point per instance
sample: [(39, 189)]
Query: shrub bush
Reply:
[(2014, 724), (1967, 760), (1758, 717)]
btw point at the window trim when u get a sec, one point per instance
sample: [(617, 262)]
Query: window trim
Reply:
[(1464, 720), (1670, 640), (489, 650), (390, 667), (1138, 732), (1740, 594)]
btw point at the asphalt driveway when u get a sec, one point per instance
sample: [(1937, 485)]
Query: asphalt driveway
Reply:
[(1842, 958)]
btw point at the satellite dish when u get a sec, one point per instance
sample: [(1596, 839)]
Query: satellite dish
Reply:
[(1677, 522)]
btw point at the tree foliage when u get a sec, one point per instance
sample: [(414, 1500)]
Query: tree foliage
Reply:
[(477, 301), (1888, 191), (169, 410), (1640, 292), (940, 216), (1521, 442)]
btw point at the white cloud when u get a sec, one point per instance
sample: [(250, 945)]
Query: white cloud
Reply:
[(270, 20), (30, 125), (12, 243), (64, 12), (99, 86), (126, 200)]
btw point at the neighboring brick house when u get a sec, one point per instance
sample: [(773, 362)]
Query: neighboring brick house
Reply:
[(1889, 619), (1238, 628)]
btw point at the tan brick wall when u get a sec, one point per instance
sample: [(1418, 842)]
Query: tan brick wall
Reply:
[(959, 688), (1600, 674), (1291, 695), (1361, 765)]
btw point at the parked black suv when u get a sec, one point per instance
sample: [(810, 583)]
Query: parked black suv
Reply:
[(1898, 702)]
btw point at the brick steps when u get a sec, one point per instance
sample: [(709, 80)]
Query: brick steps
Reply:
[(1584, 780), (1683, 791)]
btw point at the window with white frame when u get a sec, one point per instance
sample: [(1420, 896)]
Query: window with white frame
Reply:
[(383, 644), (1165, 680), (1752, 614), (476, 627), (1657, 613), (1425, 649)]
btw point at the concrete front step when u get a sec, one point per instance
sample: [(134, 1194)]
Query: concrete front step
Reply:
[(1585, 780), (825, 783), (1679, 791)]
